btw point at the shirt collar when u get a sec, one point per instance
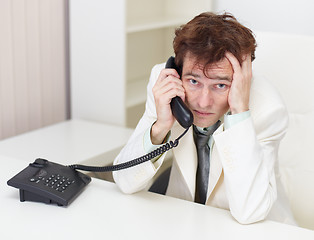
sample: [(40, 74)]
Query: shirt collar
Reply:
[(206, 129)]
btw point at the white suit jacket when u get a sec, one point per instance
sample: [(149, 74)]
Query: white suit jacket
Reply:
[(243, 159)]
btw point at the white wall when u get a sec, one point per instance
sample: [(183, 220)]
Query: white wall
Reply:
[(97, 46), (287, 16)]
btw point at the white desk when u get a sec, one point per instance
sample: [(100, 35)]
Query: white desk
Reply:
[(103, 212), (69, 142)]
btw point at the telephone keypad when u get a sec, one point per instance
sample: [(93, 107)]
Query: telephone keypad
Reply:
[(49, 182), (56, 181)]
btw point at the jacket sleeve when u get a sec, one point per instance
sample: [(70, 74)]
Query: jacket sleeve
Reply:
[(248, 151), (136, 178)]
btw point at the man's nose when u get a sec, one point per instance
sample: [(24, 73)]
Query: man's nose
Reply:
[(206, 99)]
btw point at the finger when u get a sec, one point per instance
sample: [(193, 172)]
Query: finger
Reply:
[(234, 62), (176, 93), (247, 62), (247, 67), (170, 91), (168, 83), (168, 72)]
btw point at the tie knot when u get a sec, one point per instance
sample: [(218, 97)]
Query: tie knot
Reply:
[(201, 139)]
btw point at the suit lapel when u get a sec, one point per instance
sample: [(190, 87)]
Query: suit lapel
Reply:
[(215, 165), (186, 157)]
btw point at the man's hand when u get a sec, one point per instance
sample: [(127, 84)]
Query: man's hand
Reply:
[(167, 86), (239, 93)]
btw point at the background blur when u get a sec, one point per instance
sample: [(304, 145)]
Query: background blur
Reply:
[(50, 53), (285, 16)]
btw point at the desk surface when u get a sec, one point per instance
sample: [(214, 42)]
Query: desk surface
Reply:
[(69, 142), (102, 211)]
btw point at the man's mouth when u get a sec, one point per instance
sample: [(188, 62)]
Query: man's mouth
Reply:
[(202, 113)]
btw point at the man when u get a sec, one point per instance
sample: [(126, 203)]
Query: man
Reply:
[(242, 116)]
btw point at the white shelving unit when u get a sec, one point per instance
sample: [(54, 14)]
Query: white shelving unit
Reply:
[(114, 46)]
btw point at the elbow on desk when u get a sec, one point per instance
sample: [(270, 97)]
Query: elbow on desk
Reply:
[(122, 184), (247, 217), (126, 185), (251, 216), (134, 179), (128, 190), (256, 211), (244, 220)]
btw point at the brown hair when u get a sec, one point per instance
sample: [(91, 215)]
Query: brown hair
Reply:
[(209, 36)]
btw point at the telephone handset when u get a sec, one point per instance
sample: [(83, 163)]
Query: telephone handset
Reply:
[(179, 110), (48, 182)]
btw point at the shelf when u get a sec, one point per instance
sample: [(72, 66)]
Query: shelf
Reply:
[(141, 35), (136, 92), (139, 26)]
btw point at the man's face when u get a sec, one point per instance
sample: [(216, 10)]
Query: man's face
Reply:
[(206, 96)]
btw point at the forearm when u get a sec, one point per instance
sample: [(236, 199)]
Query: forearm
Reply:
[(135, 178), (248, 166)]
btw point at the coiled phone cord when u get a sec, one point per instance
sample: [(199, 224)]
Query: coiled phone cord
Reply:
[(162, 149)]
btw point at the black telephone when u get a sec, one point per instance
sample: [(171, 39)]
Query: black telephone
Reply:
[(48, 182)]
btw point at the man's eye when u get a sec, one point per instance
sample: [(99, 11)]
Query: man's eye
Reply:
[(221, 86), (194, 82)]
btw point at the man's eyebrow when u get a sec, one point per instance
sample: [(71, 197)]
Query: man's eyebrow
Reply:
[(220, 77), (215, 77), (192, 74)]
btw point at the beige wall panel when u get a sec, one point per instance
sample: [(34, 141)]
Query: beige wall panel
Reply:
[(33, 74)]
